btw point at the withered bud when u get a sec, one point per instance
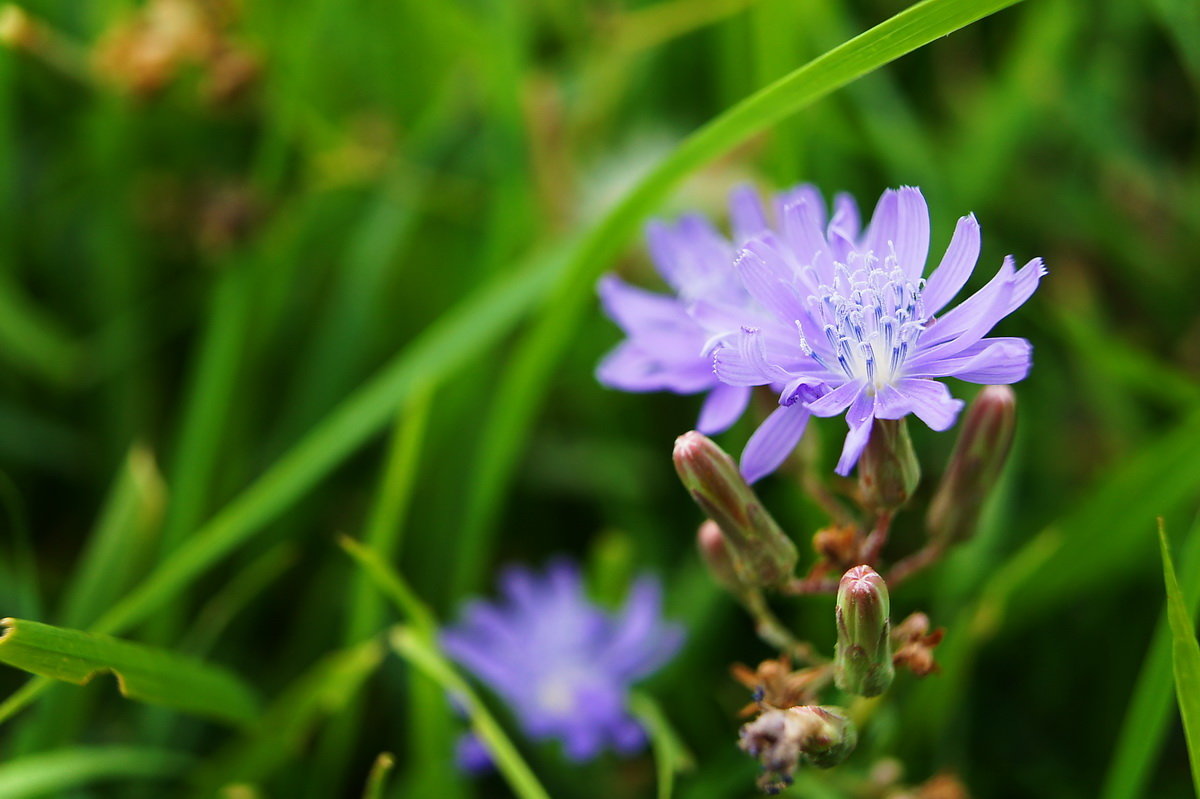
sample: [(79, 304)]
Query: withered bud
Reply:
[(782, 740), (888, 472), (710, 541), (863, 656), (914, 644), (762, 554), (777, 685), (838, 545), (979, 455)]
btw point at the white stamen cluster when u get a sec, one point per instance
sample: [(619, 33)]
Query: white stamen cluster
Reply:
[(872, 317)]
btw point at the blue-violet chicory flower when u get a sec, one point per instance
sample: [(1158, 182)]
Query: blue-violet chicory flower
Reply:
[(563, 665), (670, 338), (853, 327)]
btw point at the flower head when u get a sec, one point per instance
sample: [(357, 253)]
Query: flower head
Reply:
[(670, 338), (563, 665), (852, 327)]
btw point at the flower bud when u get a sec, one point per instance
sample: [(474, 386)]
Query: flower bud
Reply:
[(717, 557), (783, 739), (888, 472), (863, 656), (979, 455), (762, 554)]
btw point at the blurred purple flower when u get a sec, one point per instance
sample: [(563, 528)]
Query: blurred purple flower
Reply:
[(670, 338), (852, 326), (563, 665)]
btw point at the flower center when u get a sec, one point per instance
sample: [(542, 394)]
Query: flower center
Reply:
[(871, 316)]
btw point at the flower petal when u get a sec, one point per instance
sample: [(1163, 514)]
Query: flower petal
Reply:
[(630, 367), (767, 282), (883, 228), (837, 400), (722, 407), (930, 401), (636, 309), (843, 229), (912, 231), (773, 441), (746, 213), (746, 363), (859, 417), (642, 641), (955, 267), (991, 361)]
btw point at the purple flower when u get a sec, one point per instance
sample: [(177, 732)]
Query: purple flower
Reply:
[(853, 327), (670, 338), (563, 665)]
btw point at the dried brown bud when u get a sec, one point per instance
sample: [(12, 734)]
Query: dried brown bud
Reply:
[(776, 685), (782, 740), (914, 645), (838, 546)]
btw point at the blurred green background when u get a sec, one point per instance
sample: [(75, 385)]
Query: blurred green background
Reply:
[(222, 220)]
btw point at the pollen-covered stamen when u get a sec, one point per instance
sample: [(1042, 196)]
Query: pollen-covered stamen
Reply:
[(871, 317)]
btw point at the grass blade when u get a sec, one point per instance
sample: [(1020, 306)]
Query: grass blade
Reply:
[(55, 773), (1145, 723), (414, 647), (143, 673), (377, 779), (1186, 657), (670, 755), (517, 400)]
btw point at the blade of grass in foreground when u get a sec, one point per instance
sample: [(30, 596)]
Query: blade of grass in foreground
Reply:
[(143, 673), (55, 773), (1186, 656), (1145, 724), (517, 400)]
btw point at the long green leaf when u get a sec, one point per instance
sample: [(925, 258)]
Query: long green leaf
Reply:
[(517, 400), (143, 673), (55, 773), (416, 648), (1186, 656), (1145, 723)]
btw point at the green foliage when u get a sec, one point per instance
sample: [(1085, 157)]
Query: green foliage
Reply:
[(56, 772), (1185, 656), (143, 673), (396, 223)]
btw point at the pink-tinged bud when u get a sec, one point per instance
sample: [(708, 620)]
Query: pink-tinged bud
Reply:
[(863, 656), (762, 554), (888, 472), (784, 739), (979, 455), (715, 553)]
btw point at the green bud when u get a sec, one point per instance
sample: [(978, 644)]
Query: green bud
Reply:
[(710, 541), (888, 472), (762, 554), (863, 656), (979, 455)]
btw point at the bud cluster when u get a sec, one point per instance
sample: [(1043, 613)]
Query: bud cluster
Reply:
[(747, 553)]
